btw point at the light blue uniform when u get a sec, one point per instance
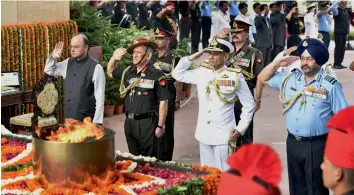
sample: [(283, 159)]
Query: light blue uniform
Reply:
[(310, 119)]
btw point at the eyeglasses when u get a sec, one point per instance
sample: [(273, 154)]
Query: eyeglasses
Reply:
[(75, 47)]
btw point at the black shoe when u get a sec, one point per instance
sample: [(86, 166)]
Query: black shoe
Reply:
[(339, 67)]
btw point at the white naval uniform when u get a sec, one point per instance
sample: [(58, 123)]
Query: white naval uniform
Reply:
[(216, 119), (326, 68)]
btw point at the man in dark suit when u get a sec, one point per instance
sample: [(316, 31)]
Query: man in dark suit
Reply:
[(264, 41), (341, 31), (278, 22)]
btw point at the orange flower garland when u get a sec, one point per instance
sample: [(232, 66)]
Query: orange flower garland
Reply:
[(211, 180), (24, 49), (31, 185)]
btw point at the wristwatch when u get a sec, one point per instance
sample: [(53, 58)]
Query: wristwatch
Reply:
[(161, 127), (259, 101), (177, 101)]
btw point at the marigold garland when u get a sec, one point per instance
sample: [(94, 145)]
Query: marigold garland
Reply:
[(8, 50), (25, 47), (211, 180)]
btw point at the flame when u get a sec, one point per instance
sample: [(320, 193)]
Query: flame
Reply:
[(75, 131)]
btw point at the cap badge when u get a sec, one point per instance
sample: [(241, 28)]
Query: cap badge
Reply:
[(214, 43), (235, 25), (157, 31), (305, 44)]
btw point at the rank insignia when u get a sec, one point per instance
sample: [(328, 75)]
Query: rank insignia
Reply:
[(224, 76), (259, 60)]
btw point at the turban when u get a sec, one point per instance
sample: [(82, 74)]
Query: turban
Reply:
[(340, 142), (316, 49), (255, 170)]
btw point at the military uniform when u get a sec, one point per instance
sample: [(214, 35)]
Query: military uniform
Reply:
[(218, 90), (307, 107), (339, 149), (142, 93), (250, 61), (167, 63), (294, 30)]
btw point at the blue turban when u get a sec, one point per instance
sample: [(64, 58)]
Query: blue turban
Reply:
[(316, 49)]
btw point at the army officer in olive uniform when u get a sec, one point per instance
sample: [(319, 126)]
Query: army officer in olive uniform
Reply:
[(250, 61), (166, 60), (145, 93)]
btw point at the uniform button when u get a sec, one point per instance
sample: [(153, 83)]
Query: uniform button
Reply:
[(297, 119), (69, 91), (69, 108), (208, 122), (209, 111), (74, 74), (297, 130), (72, 82), (68, 100)]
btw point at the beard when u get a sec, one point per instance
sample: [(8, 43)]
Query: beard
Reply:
[(310, 71)]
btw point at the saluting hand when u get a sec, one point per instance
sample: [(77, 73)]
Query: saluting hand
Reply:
[(195, 55), (286, 60), (58, 50), (119, 53), (223, 33)]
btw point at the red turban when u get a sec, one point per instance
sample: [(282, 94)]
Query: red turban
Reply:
[(340, 142)]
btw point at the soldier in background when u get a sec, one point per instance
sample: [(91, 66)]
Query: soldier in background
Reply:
[(293, 21), (338, 163), (250, 61), (278, 21), (166, 59)]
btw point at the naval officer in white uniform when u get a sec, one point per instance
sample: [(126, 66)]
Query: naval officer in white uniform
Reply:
[(219, 88)]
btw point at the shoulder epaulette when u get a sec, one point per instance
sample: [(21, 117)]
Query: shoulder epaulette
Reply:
[(161, 77), (330, 79), (253, 49), (234, 69)]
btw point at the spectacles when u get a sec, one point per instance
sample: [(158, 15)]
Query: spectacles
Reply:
[(75, 47)]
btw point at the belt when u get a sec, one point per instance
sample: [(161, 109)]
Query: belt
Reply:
[(141, 116), (307, 139)]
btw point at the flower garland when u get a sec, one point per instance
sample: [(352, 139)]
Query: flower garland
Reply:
[(211, 180), (25, 47), (126, 166), (23, 154), (7, 50)]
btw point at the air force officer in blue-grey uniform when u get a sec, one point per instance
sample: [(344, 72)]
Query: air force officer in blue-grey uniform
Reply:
[(310, 98)]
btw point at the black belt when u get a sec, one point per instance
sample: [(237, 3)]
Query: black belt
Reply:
[(307, 139), (141, 116), (294, 35)]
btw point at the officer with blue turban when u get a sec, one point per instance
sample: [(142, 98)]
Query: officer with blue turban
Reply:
[(310, 98)]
